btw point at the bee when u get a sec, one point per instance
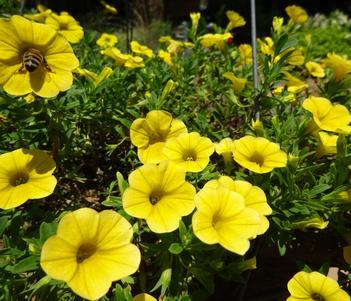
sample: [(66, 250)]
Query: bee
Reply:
[(32, 59)]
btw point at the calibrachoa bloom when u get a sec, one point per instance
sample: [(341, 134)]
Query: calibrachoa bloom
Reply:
[(225, 148), (238, 84), (151, 133), (315, 69), (254, 197), (327, 116), (141, 49), (296, 14), (195, 17), (221, 217), (235, 20), (66, 25), (214, 39), (189, 151), (245, 51), (341, 65), (160, 195), (94, 78), (258, 154), (34, 58), (25, 174), (107, 40), (315, 286), (165, 56), (90, 250), (327, 144)]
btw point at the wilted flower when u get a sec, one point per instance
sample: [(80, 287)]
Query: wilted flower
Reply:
[(107, 40), (25, 174), (296, 14), (326, 116), (245, 51), (94, 78), (258, 154), (341, 66), (189, 151), (221, 217), (315, 69), (327, 144), (160, 195), (141, 49), (235, 20), (66, 25), (238, 84), (254, 197), (90, 250), (34, 58), (151, 133), (315, 286)]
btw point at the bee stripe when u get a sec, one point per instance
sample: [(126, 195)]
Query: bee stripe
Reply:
[(32, 59)]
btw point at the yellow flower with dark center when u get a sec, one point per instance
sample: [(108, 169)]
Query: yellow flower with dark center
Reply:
[(25, 174), (341, 65), (254, 197), (221, 217), (238, 84), (214, 39), (245, 51), (89, 251), (189, 151), (296, 14), (160, 195), (258, 154), (66, 25), (315, 286), (151, 133), (107, 40), (327, 116), (235, 20), (34, 58), (327, 144), (315, 69), (141, 49)]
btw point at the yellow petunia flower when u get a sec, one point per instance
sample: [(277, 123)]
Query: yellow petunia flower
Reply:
[(134, 62), (174, 47), (189, 151), (151, 133), (225, 148), (296, 57), (160, 195), (327, 144), (296, 14), (195, 17), (245, 51), (326, 116), (315, 286), (341, 65), (141, 49), (116, 54), (238, 84), (235, 20), (107, 40), (266, 46), (25, 174), (293, 84), (258, 154), (66, 25), (143, 297), (89, 251), (165, 56), (221, 217), (277, 24), (315, 69), (214, 39), (34, 58), (254, 197), (95, 79)]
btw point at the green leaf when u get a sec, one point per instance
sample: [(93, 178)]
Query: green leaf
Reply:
[(205, 278), (28, 264), (182, 233), (4, 222), (119, 293), (47, 230), (122, 184), (113, 201), (175, 248), (164, 281), (318, 189)]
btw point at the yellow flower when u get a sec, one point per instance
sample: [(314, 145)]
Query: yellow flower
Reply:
[(266, 46), (89, 251), (214, 39), (326, 116), (107, 40), (39, 17), (116, 54), (315, 222), (341, 66), (160, 195), (258, 154), (29, 98), (165, 56), (315, 69), (189, 151), (221, 217), (109, 8), (66, 25), (327, 144), (245, 51), (296, 58), (25, 174), (134, 62), (143, 297), (225, 148), (315, 286), (296, 14), (254, 197), (195, 17), (277, 24), (151, 133), (94, 78), (49, 58), (141, 49), (235, 20), (238, 84), (294, 85)]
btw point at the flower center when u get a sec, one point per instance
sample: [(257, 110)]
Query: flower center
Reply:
[(189, 155), (317, 297), (19, 179), (63, 26), (257, 158), (155, 196), (157, 137), (85, 251)]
